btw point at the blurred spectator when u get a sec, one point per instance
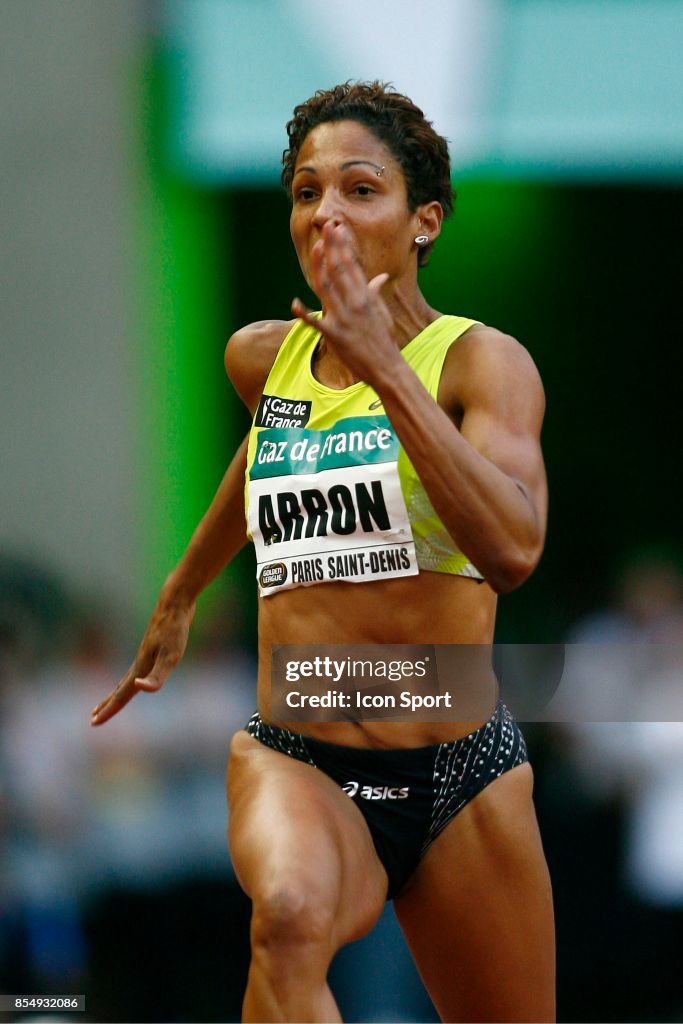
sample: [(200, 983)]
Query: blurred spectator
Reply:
[(634, 766), (647, 603)]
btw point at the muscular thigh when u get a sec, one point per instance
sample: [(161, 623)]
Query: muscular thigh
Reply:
[(292, 830), (477, 914)]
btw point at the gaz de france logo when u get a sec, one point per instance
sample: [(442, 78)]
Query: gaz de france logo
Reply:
[(282, 412)]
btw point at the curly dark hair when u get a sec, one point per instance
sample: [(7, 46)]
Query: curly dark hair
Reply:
[(397, 122)]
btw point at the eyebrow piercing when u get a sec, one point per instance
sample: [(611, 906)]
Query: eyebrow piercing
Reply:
[(380, 172)]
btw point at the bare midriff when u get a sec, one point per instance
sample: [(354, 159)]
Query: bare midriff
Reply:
[(431, 608)]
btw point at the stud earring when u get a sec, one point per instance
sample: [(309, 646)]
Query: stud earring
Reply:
[(421, 239)]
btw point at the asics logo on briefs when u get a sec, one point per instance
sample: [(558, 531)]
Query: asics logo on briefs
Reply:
[(376, 792), (274, 411)]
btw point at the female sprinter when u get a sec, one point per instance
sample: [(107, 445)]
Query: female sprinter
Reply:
[(450, 495)]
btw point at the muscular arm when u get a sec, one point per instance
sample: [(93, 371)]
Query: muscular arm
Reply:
[(220, 535), (476, 451), (486, 478)]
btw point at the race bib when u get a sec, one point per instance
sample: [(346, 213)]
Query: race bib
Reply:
[(327, 505)]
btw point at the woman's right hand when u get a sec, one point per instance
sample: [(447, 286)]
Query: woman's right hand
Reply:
[(162, 647)]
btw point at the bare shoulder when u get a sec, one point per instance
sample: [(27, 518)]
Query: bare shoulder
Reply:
[(486, 366), (250, 354)]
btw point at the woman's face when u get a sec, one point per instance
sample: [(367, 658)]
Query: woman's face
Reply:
[(345, 174)]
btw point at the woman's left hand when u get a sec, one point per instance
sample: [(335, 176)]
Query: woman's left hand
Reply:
[(355, 321)]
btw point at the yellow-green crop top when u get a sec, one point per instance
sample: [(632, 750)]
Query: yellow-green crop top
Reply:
[(330, 494)]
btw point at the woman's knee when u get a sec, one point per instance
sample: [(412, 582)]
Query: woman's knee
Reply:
[(291, 915)]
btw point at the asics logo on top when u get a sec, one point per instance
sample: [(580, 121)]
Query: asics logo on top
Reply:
[(377, 404)]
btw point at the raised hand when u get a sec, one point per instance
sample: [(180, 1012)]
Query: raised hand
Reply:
[(356, 320)]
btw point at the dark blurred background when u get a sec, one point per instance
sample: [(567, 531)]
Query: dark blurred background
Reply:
[(142, 223)]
